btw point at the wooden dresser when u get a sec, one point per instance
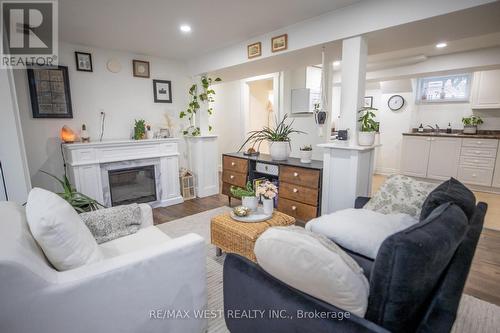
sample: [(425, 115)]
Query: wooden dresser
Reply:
[(299, 183)]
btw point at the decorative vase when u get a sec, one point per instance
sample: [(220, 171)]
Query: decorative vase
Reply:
[(149, 134), (280, 150), (250, 202), (268, 206), (366, 138), (470, 129), (305, 156)]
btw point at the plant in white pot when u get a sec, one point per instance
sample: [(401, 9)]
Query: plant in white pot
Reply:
[(267, 191), (470, 124), (247, 196), (366, 134), (278, 137), (306, 154)]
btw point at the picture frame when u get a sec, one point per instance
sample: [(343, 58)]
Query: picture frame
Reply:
[(83, 61), (50, 92), (368, 102), (279, 43), (140, 68), (162, 90), (254, 50)]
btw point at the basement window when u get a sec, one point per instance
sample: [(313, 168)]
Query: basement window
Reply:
[(444, 89)]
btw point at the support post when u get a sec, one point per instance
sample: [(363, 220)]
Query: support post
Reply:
[(354, 57)]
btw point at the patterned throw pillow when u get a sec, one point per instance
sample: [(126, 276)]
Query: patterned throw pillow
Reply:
[(400, 194), (115, 222)]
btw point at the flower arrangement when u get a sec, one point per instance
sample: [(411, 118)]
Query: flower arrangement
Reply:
[(267, 189)]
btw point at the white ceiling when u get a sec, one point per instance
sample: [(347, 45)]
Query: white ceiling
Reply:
[(152, 26)]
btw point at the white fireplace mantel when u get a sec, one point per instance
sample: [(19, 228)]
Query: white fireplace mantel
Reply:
[(88, 164)]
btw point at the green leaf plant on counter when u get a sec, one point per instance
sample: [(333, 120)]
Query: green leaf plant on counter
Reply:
[(206, 95), (368, 124), (239, 192)]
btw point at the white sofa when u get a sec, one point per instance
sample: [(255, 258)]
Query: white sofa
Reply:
[(141, 273)]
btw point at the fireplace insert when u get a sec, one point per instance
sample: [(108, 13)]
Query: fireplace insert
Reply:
[(132, 185)]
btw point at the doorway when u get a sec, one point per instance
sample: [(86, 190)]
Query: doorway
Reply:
[(260, 105)]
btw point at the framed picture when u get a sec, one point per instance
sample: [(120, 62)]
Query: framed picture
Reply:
[(254, 50), (368, 102), (83, 61), (162, 91), (49, 92), (279, 43), (140, 68)]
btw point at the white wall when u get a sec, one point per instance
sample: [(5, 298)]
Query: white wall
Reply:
[(227, 120), (121, 96)]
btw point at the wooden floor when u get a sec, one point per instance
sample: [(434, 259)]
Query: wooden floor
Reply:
[(484, 277)]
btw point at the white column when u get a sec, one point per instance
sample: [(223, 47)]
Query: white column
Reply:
[(354, 55), (204, 163)]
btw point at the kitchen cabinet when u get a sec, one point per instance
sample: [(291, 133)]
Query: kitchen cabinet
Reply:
[(444, 157), (415, 155), (486, 90), (496, 175)]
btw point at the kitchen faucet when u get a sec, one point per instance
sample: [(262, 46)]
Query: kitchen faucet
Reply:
[(434, 129)]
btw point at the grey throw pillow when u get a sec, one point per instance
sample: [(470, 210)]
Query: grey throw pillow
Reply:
[(115, 222), (400, 194)]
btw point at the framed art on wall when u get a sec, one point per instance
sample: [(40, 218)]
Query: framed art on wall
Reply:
[(162, 90), (368, 102), (279, 43), (254, 50), (140, 68), (83, 61), (49, 92)]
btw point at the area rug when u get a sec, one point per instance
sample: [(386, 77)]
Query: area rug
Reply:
[(474, 315)]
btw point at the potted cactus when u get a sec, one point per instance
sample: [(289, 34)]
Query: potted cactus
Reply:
[(306, 154)]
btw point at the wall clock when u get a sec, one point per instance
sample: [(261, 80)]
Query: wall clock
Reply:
[(396, 102)]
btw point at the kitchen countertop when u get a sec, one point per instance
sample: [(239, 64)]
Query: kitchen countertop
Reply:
[(456, 134)]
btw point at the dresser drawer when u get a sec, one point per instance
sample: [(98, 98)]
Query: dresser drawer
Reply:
[(475, 176), (234, 164), (234, 178), (486, 143), (480, 162), (296, 209), (299, 176), (479, 152), (298, 193)]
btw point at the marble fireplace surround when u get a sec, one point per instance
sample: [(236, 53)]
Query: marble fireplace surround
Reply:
[(89, 163)]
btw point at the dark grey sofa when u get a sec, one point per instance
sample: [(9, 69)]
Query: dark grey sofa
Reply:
[(416, 281)]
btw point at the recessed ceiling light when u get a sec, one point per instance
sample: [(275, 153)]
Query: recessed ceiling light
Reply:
[(441, 45), (185, 28), (336, 63)]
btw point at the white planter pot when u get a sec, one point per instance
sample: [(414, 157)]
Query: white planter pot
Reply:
[(250, 202), (280, 150), (366, 138), (149, 134), (469, 129), (267, 205), (305, 156)]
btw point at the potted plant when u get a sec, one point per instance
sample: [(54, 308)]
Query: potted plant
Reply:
[(306, 154), (279, 138), (366, 134), (267, 191), (470, 124), (247, 196), (139, 129)]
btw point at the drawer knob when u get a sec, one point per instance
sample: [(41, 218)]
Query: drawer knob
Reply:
[(476, 161), (295, 190), (233, 164), (479, 142), (294, 207), (474, 175), (478, 152), (231, 177), (295, 174)]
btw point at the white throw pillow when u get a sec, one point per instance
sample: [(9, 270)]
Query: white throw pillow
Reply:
[(360, 230), (315, 265), (57, 228), (400, 194)]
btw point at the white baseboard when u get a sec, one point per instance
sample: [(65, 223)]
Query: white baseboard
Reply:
[(168, 202), (386, 171)]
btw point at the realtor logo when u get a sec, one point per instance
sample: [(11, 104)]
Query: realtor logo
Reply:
[(29, 33)]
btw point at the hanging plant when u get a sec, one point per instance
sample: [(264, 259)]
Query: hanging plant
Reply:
[(206, 95)]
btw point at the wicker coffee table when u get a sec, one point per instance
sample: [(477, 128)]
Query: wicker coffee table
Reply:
[(232, 236)]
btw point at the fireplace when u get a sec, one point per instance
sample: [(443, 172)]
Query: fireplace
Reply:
[(132, 185)]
